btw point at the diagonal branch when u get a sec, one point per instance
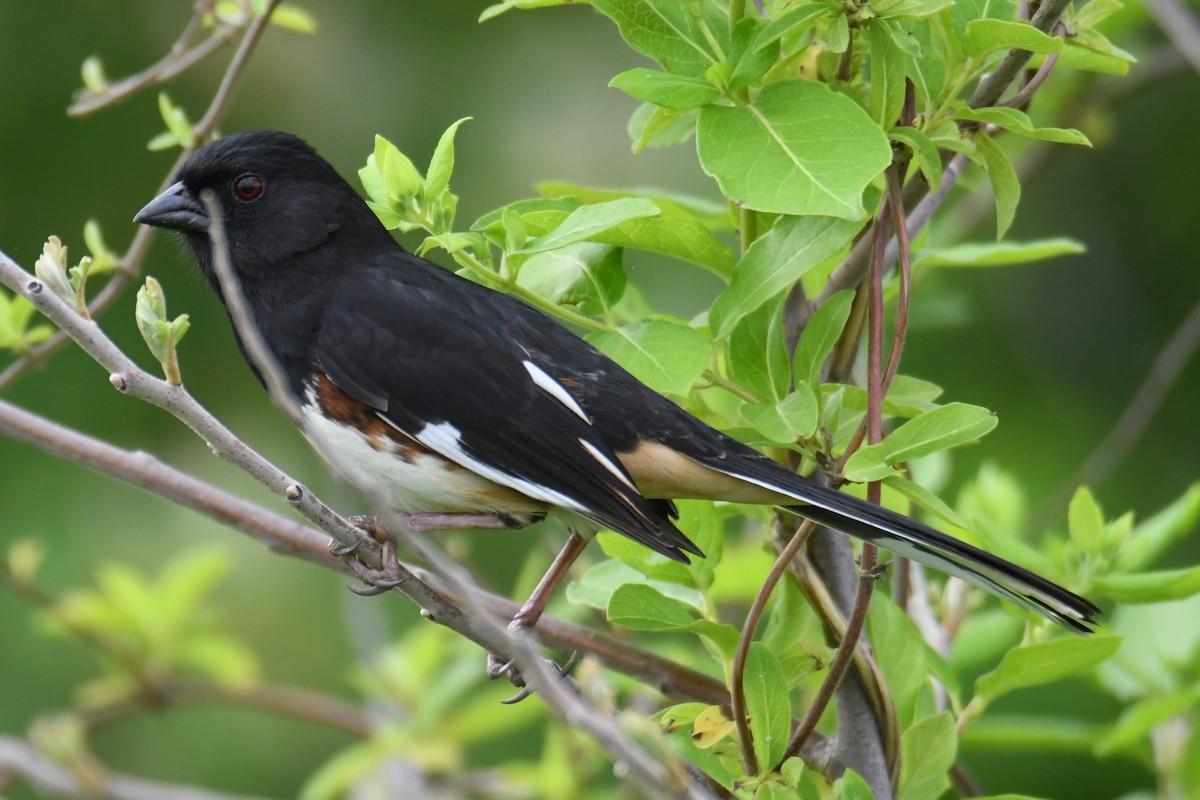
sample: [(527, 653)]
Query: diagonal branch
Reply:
[(289, 537), (1179, 24), (19, 758)]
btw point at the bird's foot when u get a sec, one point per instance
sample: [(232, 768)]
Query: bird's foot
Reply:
[(497, 668), (389, 576)]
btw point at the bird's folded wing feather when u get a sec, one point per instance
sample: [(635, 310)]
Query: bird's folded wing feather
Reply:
[(436, 360)]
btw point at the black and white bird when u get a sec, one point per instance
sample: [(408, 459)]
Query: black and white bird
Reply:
[(437, 395)]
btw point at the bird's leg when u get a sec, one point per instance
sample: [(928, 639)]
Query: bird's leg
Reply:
[(529, 614)]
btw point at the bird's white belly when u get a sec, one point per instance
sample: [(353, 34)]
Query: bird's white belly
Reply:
[(409, 480)]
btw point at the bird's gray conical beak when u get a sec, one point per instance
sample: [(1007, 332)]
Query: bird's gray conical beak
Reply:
[(176, 209)]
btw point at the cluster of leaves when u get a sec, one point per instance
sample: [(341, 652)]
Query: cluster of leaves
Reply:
[(151, 633), (18, 331), (795, 116)]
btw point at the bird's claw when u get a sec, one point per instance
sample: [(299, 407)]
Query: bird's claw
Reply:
[(377, 581), (343, 550), (375, 586), (496, 668)]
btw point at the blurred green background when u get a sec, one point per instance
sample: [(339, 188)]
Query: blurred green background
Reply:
[(1057, 350)]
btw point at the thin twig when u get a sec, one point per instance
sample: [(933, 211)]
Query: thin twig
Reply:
[(867, 578), (996, 83), (1179, 25), (741, 716), (288, 701), (289, 537), (220, 102), (1021, 99), (180, 58), (850, 272), (1146, 402), (21, 759)]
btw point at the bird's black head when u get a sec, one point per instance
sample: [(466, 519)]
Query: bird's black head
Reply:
[(278, 199)]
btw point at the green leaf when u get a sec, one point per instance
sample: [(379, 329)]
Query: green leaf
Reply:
[(294, 18), (654, 566), (1151, 538), (540, 215), (758, 358), (441, 164), (852, 786), (1044, 662), (675, 232), (587, 275), (655, 127), (103, 259), (15, 333), (1110, 61), (400, 178), (176, 120), (666, 30), (1085, 522), (965, 11), (900, 652), (1139, 720), (1010, 119), (666, 356), (985, 36), (508, 5), (837, 33), (797, 18), (665, 89), (596, 587), (586, 221), (713, 214), (799, 148), (515, 235), (776, 261), (912, 9), (945, 427), (768, 705), (924, 151), (642, 608), (1151, 587), (705, 526), (928, 73), (51, 269), (820, 336), (998, 254), (91, 71), (1005, 183), (928, 749), (888, 64), (749, 63), (793, 417), (925, 498)]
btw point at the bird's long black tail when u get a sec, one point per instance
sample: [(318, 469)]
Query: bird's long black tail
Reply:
[(911, 539)]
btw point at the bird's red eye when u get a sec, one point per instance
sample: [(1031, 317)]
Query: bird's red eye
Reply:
[(248, 187)]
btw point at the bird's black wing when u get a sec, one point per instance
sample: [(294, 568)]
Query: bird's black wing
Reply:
[(441, 359)]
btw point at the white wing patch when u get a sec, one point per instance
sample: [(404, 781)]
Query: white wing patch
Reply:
[(554, 389), (444, 438), (608, 464)]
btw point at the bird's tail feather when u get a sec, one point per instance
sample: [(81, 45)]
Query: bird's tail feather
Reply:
[(911, 539)]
